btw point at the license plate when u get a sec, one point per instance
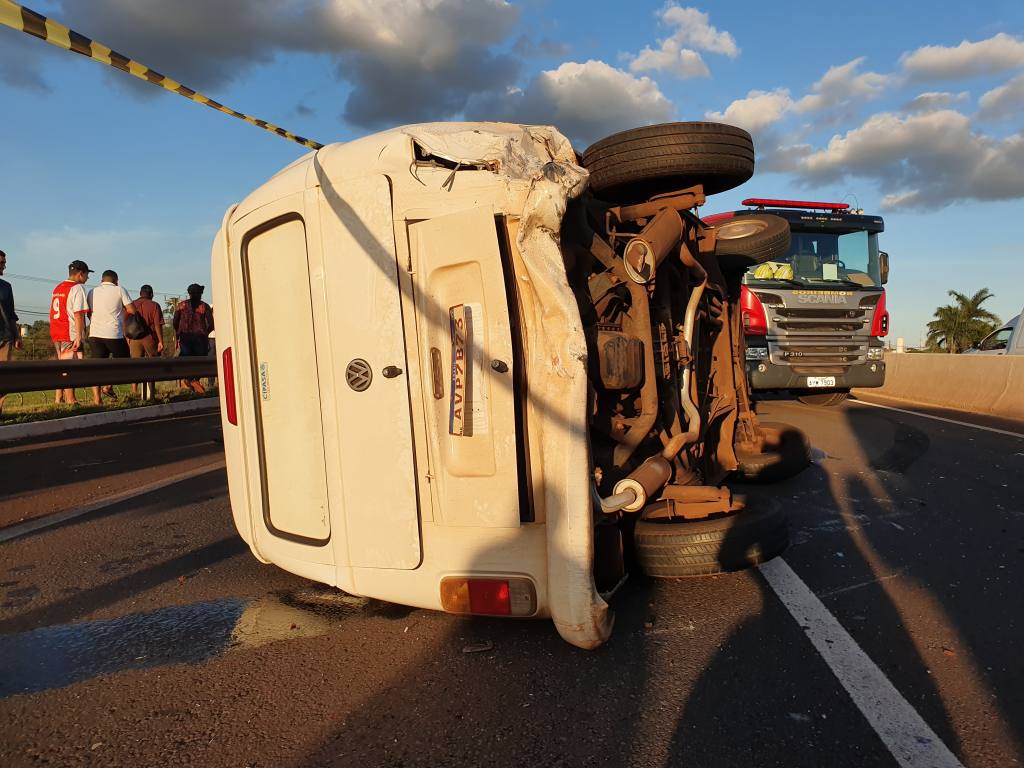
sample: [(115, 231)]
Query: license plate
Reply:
[(821, 381)]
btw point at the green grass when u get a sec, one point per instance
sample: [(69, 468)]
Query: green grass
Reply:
[(22, 407)]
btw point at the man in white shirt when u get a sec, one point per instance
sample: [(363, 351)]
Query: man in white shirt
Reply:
[(108, 304)]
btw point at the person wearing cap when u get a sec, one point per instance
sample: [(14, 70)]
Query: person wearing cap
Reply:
[(68, 308), (10, 334), (193, 322), (108, 305), (152, 315)]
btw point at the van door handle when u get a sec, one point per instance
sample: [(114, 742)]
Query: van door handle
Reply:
[(391, 371)]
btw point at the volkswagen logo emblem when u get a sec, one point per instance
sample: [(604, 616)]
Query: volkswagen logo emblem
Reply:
[(358, 374)]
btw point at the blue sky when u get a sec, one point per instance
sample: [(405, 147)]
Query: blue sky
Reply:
[(913, 110)]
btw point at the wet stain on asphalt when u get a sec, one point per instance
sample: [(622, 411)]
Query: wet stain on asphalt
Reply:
[(909, 445), (56, 656), (153, 552)]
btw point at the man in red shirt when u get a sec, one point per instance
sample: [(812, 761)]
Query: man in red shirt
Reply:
[(193, 321), (153, 316), (68, 309)]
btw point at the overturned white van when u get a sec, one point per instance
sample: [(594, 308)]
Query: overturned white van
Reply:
[(461, 372)]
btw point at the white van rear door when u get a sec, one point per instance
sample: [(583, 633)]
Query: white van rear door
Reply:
[(281, 368), (371, 376)]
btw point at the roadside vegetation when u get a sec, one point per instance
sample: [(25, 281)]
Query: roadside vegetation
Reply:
[(962, 324), (22, 407)]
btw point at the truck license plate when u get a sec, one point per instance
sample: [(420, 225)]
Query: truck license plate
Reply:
[(821, 381)]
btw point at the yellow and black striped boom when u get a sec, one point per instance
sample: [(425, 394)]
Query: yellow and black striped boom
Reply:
[(22, 19)]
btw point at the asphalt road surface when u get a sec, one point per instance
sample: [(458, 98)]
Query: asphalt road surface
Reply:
[(891, 632)]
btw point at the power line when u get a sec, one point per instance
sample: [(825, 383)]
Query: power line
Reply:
[(51, 281)]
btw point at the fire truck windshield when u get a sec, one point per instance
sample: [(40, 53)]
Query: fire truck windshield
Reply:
[(819, 257)]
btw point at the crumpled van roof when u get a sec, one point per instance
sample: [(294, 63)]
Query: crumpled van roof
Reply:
[(505, 148)]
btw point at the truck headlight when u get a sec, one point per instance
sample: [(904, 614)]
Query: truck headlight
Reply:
[(875, 353), (757, 353)]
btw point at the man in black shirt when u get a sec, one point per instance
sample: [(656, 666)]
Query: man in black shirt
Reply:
[(10, 334)]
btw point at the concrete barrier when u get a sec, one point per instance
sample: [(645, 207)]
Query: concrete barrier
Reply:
[(987, 384)]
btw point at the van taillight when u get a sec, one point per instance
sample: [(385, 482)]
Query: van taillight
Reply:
[(489, 597), (755, 321), (880, 321), (228, 387)]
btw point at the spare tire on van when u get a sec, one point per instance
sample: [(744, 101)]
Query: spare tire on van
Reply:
[(644, 162)]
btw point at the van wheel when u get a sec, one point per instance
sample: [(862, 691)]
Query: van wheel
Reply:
[(824, 398), (644, 162), (747, 240), (786, 453), (672, 549)]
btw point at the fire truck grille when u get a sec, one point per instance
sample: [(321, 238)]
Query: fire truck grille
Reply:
[(815, 352), (806, 326)]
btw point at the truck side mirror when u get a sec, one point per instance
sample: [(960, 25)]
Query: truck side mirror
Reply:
[(883, 266)]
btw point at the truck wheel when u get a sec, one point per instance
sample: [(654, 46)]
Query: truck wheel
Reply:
[(747, 240), (824, 398), (640, 163), (732, 543), (786, 453)]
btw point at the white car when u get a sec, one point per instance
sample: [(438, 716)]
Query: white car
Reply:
[(1007, 340)]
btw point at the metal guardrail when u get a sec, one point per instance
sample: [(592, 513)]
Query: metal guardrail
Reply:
[(33, 375)]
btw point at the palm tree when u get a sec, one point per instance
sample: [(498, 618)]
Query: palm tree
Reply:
[(961, 324), (170, 304)]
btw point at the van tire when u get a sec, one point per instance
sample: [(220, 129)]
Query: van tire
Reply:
[(668, 550), (635, 165), (786, 453), (824, 398), (768, 241)]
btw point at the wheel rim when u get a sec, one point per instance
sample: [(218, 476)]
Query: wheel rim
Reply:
[(738, 229)]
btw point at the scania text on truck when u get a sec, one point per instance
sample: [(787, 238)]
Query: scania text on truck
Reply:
[(814, 318), (465, 369)]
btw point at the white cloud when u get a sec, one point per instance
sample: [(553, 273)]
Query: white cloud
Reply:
[(757, 111), (681, 62), (937, 62), (842, 85), (586, 101), (931, 101), (1006, 101), (693, 27), (678, 54), (931, 159)]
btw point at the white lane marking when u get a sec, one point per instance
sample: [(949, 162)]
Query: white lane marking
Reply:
[(941, 418), (903, 731), (39, 523)]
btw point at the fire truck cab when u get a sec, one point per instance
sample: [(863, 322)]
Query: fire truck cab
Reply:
[(814, 319)]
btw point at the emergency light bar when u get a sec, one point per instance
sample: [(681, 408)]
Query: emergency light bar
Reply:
[(762, 202)]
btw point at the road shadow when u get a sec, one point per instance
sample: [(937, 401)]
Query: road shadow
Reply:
[(83, 602), (893, 554), (529, 699), (768, 693), (117, 449), (939, 510)]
